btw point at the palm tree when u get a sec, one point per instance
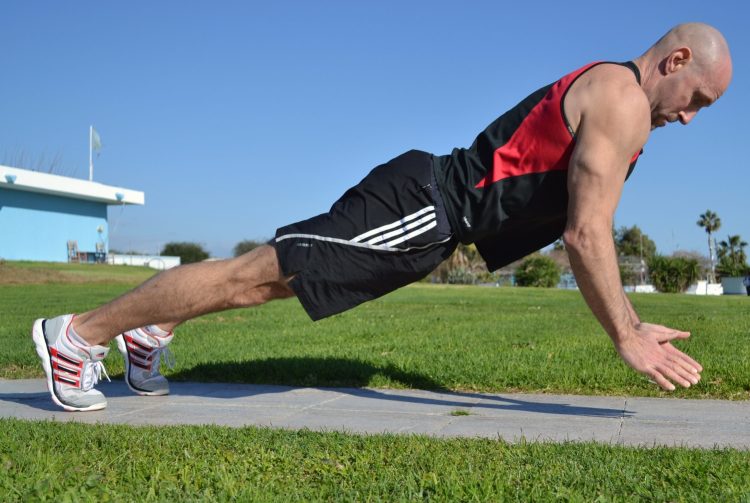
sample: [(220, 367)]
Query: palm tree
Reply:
[(733, 249), (711, 222)]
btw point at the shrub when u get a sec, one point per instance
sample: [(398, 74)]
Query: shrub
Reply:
[(673, 274), (461, 276), (245, 246), (188, 252), (538, 270), (728, 268), (732, 257)]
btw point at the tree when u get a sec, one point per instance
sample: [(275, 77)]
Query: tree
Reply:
[(245, 246), (711, 222), (631, 241), (672, 274), (538, 270), (732, 257), (188, 252)]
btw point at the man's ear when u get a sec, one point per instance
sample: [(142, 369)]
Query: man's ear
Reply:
[(678, 59)]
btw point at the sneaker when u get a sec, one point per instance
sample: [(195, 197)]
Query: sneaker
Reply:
[(143, 352), (72, 368)]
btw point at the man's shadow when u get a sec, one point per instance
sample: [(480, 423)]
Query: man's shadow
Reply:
[(349, 376)]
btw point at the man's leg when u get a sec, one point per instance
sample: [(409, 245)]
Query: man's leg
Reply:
[(186, 292), (72, 347)]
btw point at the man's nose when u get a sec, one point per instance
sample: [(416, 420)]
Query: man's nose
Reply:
[(686, 117)]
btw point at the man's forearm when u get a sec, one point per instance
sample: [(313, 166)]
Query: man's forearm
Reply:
[(633, 315), (594, 262)]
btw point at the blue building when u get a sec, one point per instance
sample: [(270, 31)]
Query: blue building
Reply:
[(55, 218)]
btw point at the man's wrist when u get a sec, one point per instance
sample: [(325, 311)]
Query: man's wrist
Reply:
[(623, 333)]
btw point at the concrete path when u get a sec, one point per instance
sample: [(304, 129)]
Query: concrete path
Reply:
[(616, 420)]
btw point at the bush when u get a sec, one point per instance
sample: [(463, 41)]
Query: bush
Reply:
[(461, 276), (245, 246), (727, 268), (673, 274), (188, 252), (538, 270)]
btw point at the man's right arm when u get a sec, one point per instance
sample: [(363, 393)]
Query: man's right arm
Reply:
[(605, 140)]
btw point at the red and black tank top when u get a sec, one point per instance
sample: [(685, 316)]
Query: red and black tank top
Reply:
[(508, 191)]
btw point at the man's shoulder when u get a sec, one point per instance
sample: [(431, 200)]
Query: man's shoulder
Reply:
[(612, 86), (608, 97), (609, 94)]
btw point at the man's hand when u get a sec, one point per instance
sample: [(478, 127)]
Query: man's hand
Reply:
[(649, 351)]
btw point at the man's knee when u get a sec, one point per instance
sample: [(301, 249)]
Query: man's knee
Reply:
[(262, 260), (256, 278)]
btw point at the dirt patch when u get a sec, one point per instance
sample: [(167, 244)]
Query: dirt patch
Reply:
[(28, 276), (10, 275)]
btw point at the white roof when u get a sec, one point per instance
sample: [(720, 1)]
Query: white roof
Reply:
[(34, 181)]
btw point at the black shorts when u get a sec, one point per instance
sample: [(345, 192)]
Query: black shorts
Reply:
[(389, 230)]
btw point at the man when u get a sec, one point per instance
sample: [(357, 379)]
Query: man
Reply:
[(553, 165)]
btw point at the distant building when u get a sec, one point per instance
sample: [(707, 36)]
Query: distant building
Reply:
[(160, 262), (56, 218)]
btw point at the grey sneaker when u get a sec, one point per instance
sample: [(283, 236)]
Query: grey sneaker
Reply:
[(72, 369), (143, 353)]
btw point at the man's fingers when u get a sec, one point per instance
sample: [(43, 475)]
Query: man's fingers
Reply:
[(673, 376), (670, 334), (661, 381), (663, 333), (684, 370), (677, 354)]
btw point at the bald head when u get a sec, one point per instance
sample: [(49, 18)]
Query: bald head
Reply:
[(687, 69), (708, 46)]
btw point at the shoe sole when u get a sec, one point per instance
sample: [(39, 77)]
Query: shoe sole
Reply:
[(122, 347), (42, 349)]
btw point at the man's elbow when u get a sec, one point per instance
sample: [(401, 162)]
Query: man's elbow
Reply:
[(574, 239), (585, 239)]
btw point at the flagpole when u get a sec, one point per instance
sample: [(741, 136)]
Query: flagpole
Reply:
[(91, 156)]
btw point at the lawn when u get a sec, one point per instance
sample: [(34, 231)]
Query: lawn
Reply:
[(72, 462), (424, 336)]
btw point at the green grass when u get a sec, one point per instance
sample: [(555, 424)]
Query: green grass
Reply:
[(72, 462), (488, 339), (466, 338)]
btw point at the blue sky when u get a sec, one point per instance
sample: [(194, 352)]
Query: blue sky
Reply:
[(238, 117)]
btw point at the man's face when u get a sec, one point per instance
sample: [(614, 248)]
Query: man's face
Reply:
[(683, 93)]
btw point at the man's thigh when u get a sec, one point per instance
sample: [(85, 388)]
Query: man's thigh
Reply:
[(386, 232)]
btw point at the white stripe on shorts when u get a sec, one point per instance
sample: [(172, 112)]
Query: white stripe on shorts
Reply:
[(411, 225), (412, 234), (361, 245), (397, 223)]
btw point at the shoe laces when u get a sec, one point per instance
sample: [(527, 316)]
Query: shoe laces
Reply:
[(166, 356), (156, 357), (92, 373)]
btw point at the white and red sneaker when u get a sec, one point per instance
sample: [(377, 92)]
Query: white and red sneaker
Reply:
[(72, 367), (143, 350)]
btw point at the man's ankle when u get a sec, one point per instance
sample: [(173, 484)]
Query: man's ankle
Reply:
[(83, 330)]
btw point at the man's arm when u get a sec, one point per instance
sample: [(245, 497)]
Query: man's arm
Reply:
[(614, 124)]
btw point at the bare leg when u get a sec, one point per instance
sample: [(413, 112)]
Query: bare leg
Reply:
[(186, 292)]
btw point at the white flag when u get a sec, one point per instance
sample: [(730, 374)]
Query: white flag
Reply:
[(96, 141)]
